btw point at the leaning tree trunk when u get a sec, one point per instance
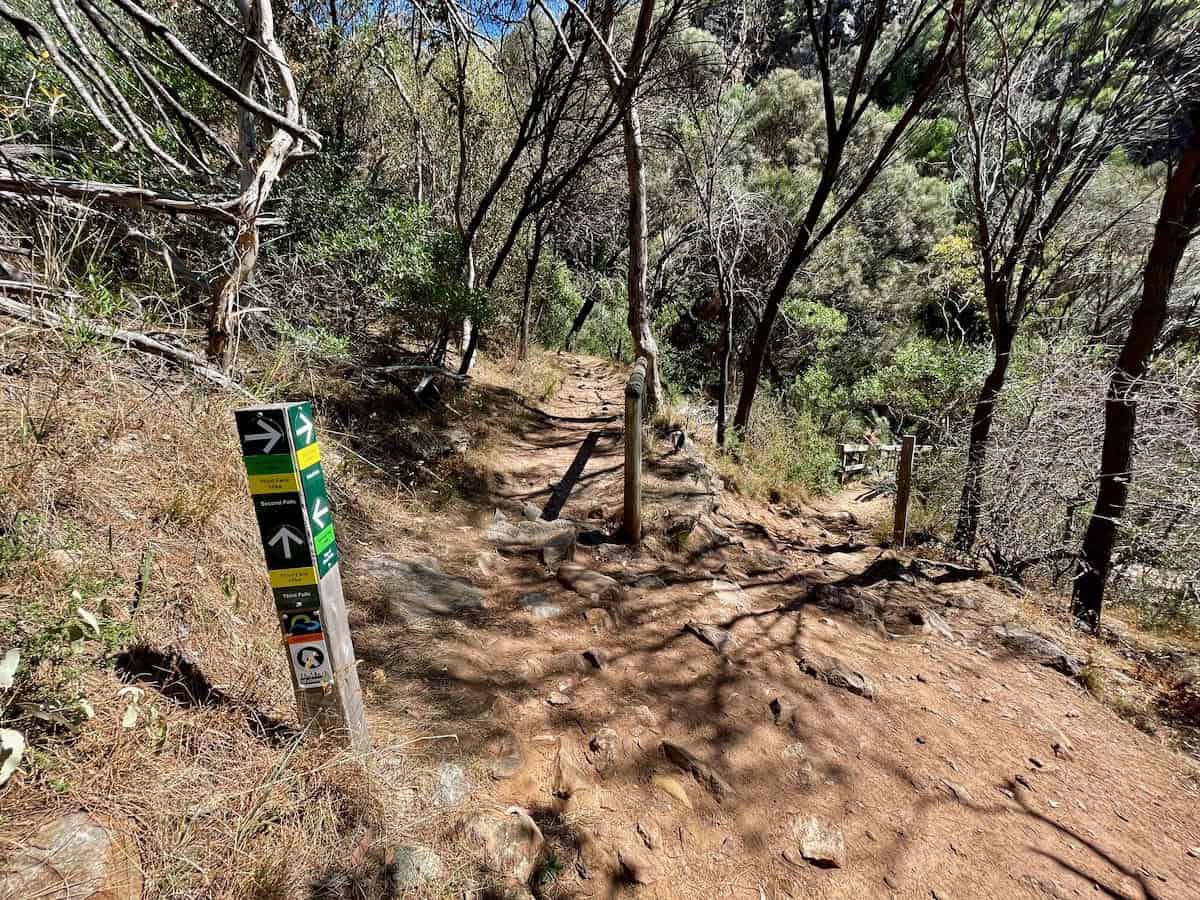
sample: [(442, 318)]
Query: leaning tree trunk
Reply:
[(1177, 221), (260, 170), (971, 504), (581, 317), (644, 345)]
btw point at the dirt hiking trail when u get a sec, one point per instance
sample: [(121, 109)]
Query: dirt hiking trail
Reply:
[(756, 702)]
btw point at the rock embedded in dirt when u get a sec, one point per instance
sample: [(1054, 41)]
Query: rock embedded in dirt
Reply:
[(957, 791), (718, 638), (411, 867), (450, 785), (558, 698), (603, 749), (568, 776), (763, 562), (672, 788), (418, 588), (649, 834), (595, 657), (649, 583), (545, 610), (506, 842), (1037, 648), (507, 759), (600, 619), (819, 842), (637, 865), (529, 536), (78, 854), (530, 512), (729, 596), (589, 583), (559, 550), (705, 774), (833, 672)]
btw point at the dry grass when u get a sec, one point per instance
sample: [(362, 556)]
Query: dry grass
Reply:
[(111, 461)]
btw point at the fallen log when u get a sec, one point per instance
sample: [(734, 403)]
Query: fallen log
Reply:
[(193, 362)]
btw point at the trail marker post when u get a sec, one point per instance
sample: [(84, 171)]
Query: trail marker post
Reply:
[(908, 446), (634, 391), (287, 486)]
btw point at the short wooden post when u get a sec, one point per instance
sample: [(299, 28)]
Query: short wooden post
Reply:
[(908, 446), (287, 487), (634, 392)]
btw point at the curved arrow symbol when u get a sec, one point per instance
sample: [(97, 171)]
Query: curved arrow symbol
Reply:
[(286, 535), (305, 431), (319, 512), (269, 433)]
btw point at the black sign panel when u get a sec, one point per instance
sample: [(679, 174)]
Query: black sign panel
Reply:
[(281, 524), (262, 431)]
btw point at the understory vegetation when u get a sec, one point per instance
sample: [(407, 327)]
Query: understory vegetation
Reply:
[(821, 223), (834, 218)]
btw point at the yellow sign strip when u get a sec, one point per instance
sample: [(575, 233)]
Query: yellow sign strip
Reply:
[(273, 484), (286, 578), (306, 456)]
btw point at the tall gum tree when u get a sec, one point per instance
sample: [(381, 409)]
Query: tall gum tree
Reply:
[(872, 63), (1028, 151), (1178, 221)]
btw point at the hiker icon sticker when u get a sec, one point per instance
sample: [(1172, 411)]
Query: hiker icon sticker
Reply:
[(310, 660)]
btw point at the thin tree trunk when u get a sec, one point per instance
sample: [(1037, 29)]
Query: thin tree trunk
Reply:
[(531, 264), (981, 430), (1177, 221), (581, 318), (644, 344), (260, 170), (726, 362)]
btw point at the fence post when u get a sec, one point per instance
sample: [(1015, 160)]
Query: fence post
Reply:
[(633, 451), (908, 446), (287, 487)]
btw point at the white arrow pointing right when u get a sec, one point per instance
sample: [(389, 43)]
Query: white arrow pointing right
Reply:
[(269, 433), (320, 510), (286, 535)]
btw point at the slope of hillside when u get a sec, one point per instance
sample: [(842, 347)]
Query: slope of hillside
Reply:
[(758, 701)]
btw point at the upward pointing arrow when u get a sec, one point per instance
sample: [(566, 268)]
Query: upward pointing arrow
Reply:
[(269, 433), (305, 431), (286, 535), (319, 511)]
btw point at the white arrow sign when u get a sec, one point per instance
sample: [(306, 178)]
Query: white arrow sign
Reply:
[(319, 511), (269, 433), (286, 534), (305, 431)]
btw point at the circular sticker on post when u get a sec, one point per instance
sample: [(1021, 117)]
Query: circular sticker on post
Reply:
[(310, 660)]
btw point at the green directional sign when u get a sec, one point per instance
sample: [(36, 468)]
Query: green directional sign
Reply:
[(295, 523), (291, 503)]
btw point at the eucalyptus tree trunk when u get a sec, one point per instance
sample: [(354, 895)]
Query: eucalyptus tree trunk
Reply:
[(644, 345), (1178, 220), (261, 167), (726, 359), (971, 504), (531, 264)]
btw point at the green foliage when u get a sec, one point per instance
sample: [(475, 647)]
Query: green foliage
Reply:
[(931, 140), (391, 255), (925, 382), (557, 299), (784, 447)]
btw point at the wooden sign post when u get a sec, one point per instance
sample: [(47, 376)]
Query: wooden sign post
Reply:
[(908, 446), (287, 485), (634, 391)]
